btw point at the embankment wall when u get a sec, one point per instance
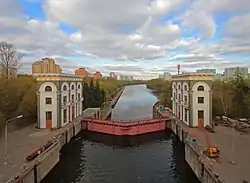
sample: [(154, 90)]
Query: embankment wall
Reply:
[(194, 155), (35, 171)]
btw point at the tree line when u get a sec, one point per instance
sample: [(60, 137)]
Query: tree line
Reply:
[(230, 98), (18, 95)]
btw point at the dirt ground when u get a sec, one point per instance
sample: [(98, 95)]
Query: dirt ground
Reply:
[(224, 137)]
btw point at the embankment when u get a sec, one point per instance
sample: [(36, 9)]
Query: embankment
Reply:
[(194, 155), (46, 157), (114, 100)]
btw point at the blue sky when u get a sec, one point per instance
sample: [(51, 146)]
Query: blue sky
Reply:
[(133, 37)]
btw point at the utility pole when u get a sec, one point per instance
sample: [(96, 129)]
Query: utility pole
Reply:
[(6, 137)]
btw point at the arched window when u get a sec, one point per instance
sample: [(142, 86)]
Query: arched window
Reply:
[(72, 87), (64, 88), (200, 88), (79, 86), (48, 89), (179, 87), (185, 87), (174, 86)]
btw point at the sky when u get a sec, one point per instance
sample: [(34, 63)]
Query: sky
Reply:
[(143, 38)]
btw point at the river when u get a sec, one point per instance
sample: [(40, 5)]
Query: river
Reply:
[(98, 158)]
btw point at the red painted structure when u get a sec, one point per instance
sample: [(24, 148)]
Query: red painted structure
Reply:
[(126, 128)]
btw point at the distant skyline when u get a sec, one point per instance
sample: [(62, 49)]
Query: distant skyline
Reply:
[(142, 38)]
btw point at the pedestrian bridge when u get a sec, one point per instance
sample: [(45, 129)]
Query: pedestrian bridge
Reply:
[(132, 127)]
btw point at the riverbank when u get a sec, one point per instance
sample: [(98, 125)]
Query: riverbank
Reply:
[(31, 139)]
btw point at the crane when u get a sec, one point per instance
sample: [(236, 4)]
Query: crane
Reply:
[(211, 151)]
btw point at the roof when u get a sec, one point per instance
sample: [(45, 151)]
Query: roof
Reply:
[(193, 76)]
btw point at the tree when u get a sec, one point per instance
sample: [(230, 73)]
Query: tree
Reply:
[(9, 59)]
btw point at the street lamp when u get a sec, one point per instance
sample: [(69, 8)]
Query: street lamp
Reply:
[(6, 136), (233, 145)]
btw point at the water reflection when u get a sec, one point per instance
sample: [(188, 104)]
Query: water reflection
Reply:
[(135, 102)]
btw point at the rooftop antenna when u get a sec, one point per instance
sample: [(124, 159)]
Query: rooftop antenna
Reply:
[(178, 68)]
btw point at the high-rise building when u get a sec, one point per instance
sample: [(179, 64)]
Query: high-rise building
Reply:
[(212, 71), (230, 72), (81, 72), (113, 75), (167, 76), (46, 65), (97, 75)]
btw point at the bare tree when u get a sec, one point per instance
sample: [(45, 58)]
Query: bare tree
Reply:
[(9, 59)]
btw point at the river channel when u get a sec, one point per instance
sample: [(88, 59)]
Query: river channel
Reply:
[(98, 158)]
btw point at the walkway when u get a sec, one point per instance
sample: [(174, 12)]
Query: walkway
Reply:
[(223, 137), (21, 143)]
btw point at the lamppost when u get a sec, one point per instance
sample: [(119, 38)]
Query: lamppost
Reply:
[(6, 136), (233, 145)]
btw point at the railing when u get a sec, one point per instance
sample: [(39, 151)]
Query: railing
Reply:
[(126, 124)]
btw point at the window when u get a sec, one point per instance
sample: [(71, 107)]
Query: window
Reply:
[(174, 86), (79, 96), (200, 100), (64, 88), (79, 86), (48, 115), (200, 88), (185, 98), (185, 115), (48, 100), (179, 87), (179, 96), (200, 114), (64, 99), (185, 87), (64, 115), (48, 89), (72, 87), (174, 96), (72, 97)]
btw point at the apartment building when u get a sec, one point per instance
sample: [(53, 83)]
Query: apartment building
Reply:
[(46, 65), (213, 71), (230, 72), (97, 75), (81, 72)]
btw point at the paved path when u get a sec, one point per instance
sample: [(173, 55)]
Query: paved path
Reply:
[(230, 173), (223, 137), (21, 143)]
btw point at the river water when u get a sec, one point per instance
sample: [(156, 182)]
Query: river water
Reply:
[(98, 158)]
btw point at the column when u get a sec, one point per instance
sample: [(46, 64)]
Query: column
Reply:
[(38, 110), (59, 110)]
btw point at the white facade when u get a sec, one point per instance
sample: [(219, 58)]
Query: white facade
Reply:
[(191, 98), (59, 100), (43, 107)]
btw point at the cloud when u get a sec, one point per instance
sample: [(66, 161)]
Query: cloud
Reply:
[(135, 37), (124, 30)]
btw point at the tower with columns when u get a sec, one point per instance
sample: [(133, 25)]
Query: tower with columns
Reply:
[(192, 98), (59, 99)]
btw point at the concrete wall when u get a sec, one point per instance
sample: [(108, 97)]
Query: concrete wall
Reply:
[(194, 155)]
